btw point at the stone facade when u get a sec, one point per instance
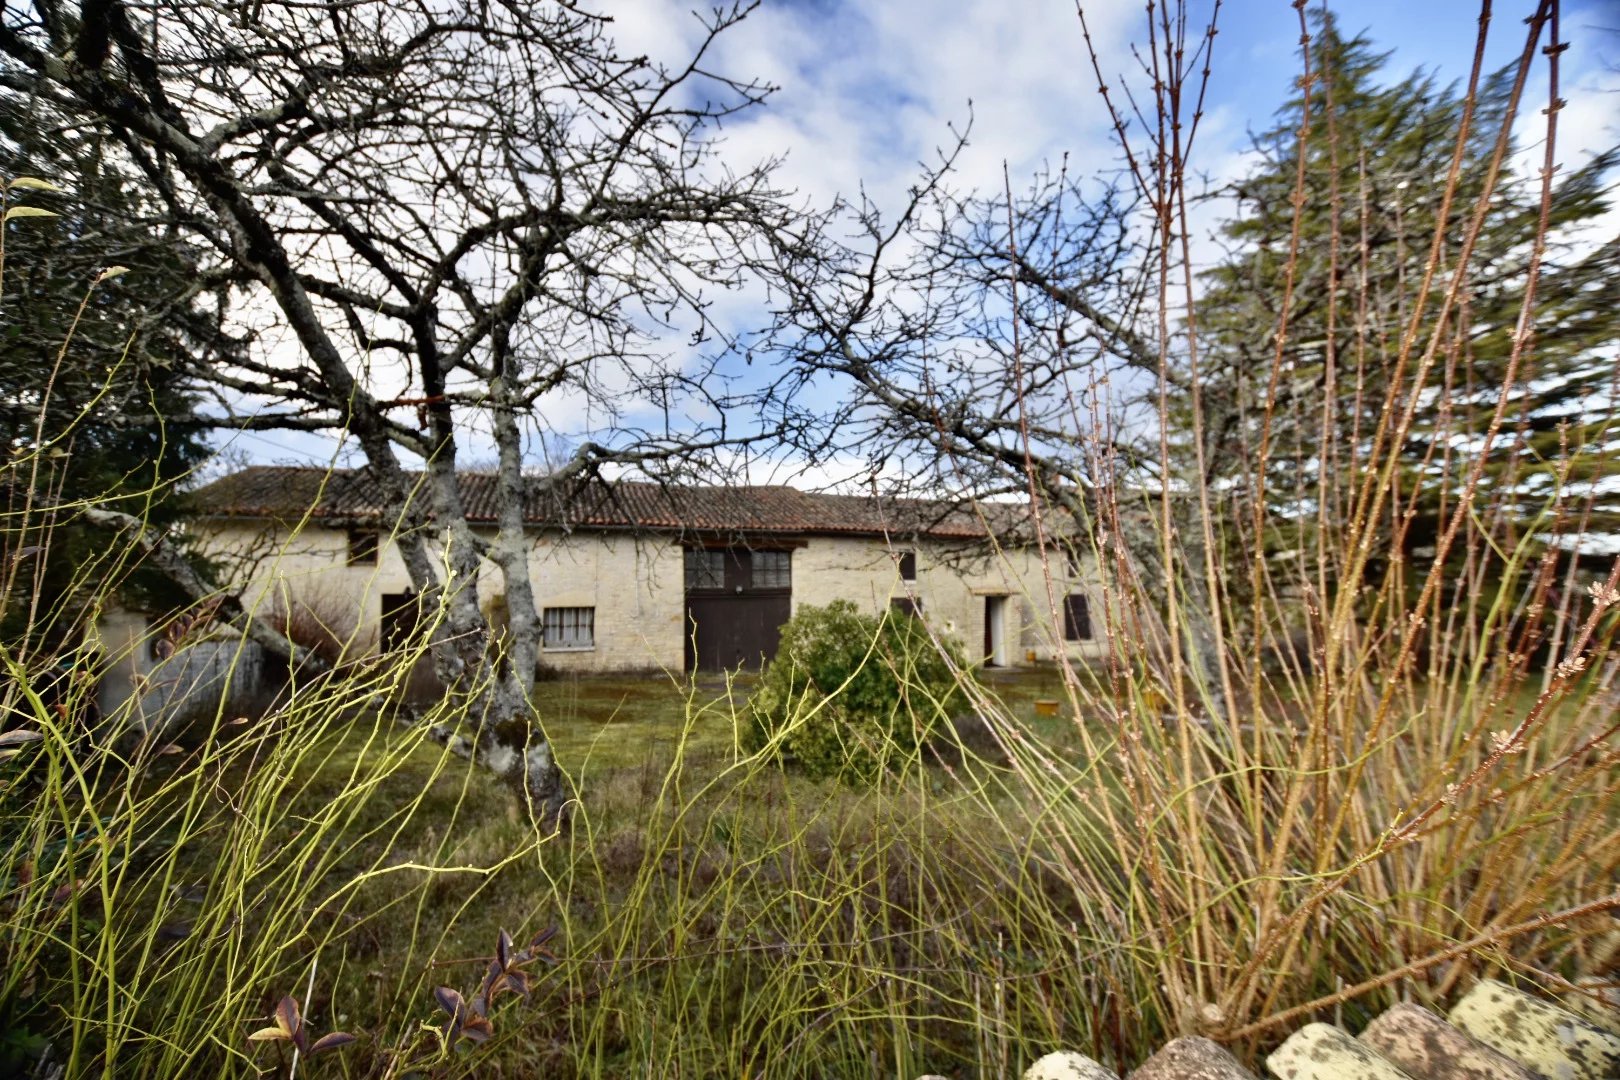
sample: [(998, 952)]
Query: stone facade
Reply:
[(632, 584), (952, 585)]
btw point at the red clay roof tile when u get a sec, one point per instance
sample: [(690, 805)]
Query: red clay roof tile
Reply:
[(289, 493)]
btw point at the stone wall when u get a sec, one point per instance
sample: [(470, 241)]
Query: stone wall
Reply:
[(138, 691), (952, 584), (635, 585)]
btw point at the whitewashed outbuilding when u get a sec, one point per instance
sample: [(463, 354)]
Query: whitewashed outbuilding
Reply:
[(634, 576)]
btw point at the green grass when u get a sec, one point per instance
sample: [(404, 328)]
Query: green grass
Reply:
[(602, 723), (697, 891), (715, 914), (711, 909)]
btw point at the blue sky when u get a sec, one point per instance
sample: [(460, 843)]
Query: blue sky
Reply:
[(870, 89)]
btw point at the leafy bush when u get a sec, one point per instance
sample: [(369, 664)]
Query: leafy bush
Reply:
[(852, 695)]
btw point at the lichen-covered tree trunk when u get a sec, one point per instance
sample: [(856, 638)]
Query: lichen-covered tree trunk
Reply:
[(491, 679), (510, 551), (296, 170)]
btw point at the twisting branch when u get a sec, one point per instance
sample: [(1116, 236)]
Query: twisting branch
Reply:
[(228, 609)]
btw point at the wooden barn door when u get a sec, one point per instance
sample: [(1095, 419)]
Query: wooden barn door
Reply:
[(736, 603), (729, 632)]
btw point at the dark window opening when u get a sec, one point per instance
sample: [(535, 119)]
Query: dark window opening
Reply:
[(771, 570), (705, 569), (569, 628), (908, 566), (907, 605), (1076, 618), (401, 618), (363, 545), (738, 571)]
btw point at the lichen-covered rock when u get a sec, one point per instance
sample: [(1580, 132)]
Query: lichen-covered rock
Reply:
[(1427, 1048), (1066, 1065), (1191, 1058), (1323, 1052), (1552, 1041), (1596, 1000)]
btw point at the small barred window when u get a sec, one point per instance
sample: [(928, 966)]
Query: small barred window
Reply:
[(569, 627)]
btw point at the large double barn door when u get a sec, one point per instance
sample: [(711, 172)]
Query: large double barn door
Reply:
[(729, 632), (736, 603)]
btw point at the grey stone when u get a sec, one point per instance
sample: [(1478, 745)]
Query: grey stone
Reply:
[(1323, 1052), (1553, 1041), (1067, 1065), (1428, 1048), (1191, 1058), (1595, 1000)]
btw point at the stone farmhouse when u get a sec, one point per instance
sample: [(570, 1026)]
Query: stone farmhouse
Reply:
[(635, 576)]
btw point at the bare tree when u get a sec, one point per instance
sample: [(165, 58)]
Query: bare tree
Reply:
[(463, 212), (1038, 344), (978, 335), (1009, 344)]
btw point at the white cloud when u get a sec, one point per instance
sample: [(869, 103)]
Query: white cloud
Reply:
[(871, 90)]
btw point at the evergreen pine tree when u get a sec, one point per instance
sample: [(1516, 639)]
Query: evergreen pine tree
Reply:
[(96, 372), (1377, 158)]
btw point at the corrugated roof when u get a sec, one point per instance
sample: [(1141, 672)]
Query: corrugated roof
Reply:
[(279, 492)]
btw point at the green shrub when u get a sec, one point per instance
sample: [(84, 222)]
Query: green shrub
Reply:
[(852, 695)]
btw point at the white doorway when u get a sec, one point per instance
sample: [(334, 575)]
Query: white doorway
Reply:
[(997, 649)]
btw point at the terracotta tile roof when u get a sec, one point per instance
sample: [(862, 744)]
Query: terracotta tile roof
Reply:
[(288, 493)]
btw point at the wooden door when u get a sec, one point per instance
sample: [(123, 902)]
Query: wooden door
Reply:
[(728, 632), (736, 603), (401, 615)]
